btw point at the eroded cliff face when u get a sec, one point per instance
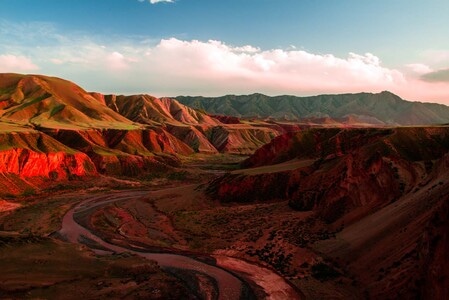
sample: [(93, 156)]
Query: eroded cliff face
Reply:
[(432, 282), (348, 172), (34, 160), (125, 152), (383, 193), (397, 251), (30, 160), (201, 132), (333, 188), (120, 135), (240, 138), (55, 165), (272, 152), (435, 246)]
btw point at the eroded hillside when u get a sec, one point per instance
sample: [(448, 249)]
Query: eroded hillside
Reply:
[(381, 192), (115, 135)]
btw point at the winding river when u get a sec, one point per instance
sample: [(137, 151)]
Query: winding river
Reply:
[(229, 286)]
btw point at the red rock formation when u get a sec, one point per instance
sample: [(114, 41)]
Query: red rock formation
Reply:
[(54, 103), (114, 151), (56, 165), (270, 152), (201, 132), (226, 119), (123, 135), (354, 170), (33, 158), (384, 193), (147, 109), (240, 138), (194, 137)]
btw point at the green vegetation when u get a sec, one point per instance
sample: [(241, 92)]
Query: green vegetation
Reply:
[(56, 109), (323, 272), (375, 108), (275, 257), (28, 102), (42, 268), (28, 192), (181, 175), (36, 216)]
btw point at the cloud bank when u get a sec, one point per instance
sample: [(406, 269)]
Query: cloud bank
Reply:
[(13, 63), (227, 68), (173, 67)]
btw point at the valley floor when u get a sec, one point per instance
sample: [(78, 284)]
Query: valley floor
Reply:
[(160, 214), (270, 250)]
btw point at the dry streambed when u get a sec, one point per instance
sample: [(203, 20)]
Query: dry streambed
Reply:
[(228, 285)]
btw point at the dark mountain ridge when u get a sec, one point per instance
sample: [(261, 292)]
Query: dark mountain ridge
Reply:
[(381, 108)]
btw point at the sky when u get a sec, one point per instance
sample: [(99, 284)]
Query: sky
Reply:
[(218, 47)]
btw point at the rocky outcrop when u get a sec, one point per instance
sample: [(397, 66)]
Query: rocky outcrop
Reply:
[(226, 119), (146, 109), (125, 152), (383, 194), (31, 160), (194, 137), (350, 171), (240, 139), (54, 165), (201, 132), (117, 135)]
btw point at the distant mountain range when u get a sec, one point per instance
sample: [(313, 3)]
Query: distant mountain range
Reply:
[(362, 108)]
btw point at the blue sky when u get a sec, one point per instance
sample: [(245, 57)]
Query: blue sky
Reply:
[(213, 47)]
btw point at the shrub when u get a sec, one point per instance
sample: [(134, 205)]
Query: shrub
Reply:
[(322, 271)]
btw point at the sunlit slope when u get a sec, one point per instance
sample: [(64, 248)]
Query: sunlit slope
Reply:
[(203, 133), (30, 160), (147, 109), (54, 103), (45, 121)]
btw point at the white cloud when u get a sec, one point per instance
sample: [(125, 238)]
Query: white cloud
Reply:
[(116, 61), (173, 67), (247, 49), (419, 68), (157, 1), (274, 71), (13, 63)]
